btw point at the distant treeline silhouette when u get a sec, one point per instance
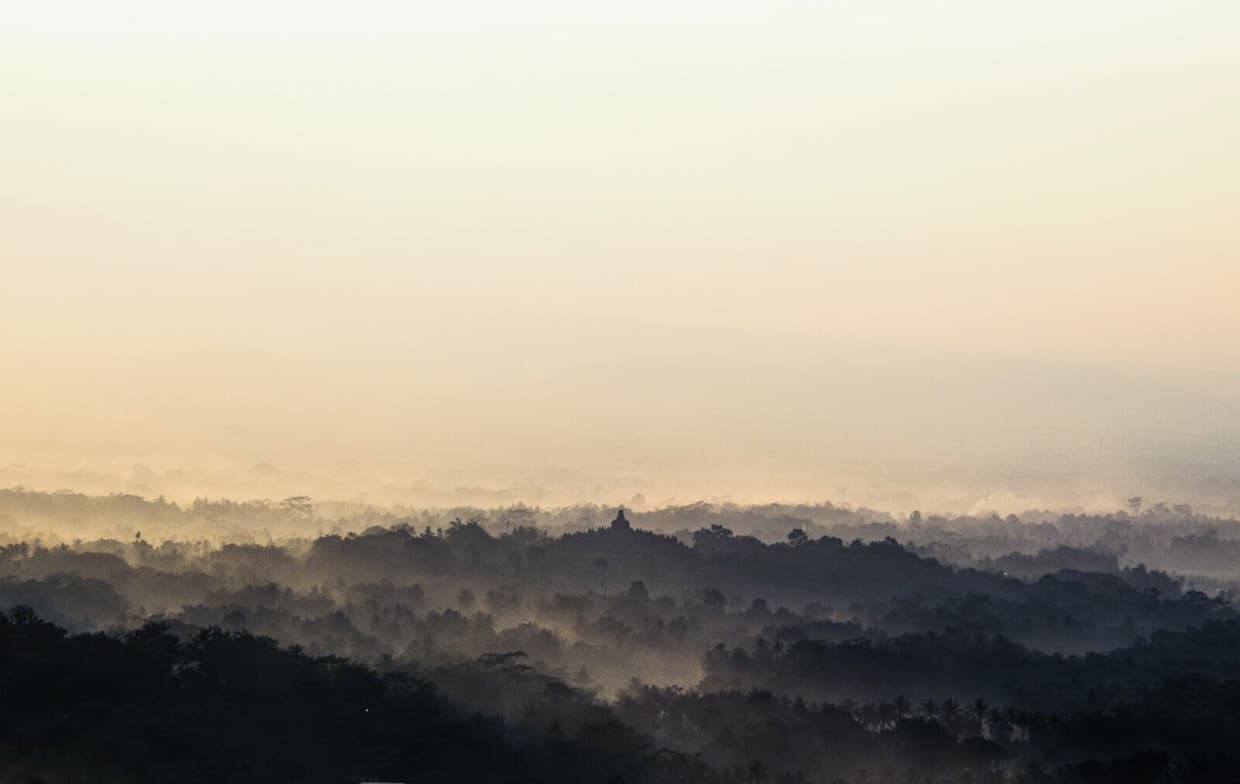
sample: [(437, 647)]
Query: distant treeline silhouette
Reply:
[(578, 645)]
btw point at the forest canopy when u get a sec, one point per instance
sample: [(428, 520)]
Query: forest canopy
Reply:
[(712, 643)]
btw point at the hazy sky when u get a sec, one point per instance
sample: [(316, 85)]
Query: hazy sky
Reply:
[(656, 243)]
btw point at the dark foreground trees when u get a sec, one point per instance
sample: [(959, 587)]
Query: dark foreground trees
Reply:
[(222, 707), (217, 706)]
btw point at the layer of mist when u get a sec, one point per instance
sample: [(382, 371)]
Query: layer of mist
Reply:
[(703, 642)]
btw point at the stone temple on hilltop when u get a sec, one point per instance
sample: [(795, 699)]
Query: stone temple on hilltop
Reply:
[(621, 523)]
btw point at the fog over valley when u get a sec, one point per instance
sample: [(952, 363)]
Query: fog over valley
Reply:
[(611, 410), (656, 392)]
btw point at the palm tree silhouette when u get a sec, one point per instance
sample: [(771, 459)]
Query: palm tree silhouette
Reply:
[(902, 706), (977, 712)]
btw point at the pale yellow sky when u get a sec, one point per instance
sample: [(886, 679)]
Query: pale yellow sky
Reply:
[(398, 233)]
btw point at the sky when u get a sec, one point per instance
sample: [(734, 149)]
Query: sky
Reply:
[(948, 253)]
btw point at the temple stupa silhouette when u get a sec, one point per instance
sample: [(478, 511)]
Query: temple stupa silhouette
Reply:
[(620, 523)]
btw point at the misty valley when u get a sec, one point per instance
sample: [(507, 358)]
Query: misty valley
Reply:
[(644, 392), (143, 640)]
